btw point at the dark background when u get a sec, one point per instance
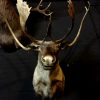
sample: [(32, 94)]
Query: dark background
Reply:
[(80, 63)]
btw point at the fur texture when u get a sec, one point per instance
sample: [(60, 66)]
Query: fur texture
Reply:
[(8, 11)]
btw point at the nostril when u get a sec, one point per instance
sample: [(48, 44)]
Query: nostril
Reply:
[(48, 60), (54, 59), (43, 59)]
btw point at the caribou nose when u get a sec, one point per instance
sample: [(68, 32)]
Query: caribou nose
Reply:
[(48, 60)]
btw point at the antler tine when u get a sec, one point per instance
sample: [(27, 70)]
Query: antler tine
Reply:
[(77, 36), (49, 26), (39, 3), (43, 11), (47, 7), (17, 41)]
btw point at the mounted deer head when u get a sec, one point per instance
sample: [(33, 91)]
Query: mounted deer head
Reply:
[(47, 49), (48, 78)]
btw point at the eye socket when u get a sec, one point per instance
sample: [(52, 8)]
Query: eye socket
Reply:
[(62, 46), (36, 48), (42, 59), (54, 59), (57, 46)]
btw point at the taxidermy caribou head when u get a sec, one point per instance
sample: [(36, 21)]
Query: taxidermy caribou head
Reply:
[(48, 77)]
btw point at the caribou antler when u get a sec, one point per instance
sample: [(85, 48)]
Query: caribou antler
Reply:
[(34, 41), (71, 12), (42, 11), (17, 41), (81, 24), (24, 12)]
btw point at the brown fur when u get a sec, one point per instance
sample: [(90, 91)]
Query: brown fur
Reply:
[(48, 79), (8, 11)]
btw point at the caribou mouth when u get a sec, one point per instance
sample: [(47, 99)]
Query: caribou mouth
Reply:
[(49, 67)]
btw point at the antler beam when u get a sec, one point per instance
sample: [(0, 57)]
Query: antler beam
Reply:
[(79, 31), (17, 41)]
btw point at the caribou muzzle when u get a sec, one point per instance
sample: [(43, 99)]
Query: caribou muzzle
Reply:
[(48, 61)]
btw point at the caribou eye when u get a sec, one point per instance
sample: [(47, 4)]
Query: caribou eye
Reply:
[(35, 48)]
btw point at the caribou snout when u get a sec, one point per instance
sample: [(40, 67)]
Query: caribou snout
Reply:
[(48, 60)]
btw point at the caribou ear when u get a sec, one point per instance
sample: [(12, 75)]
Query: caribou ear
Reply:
[(62, 46), (36, 45)]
